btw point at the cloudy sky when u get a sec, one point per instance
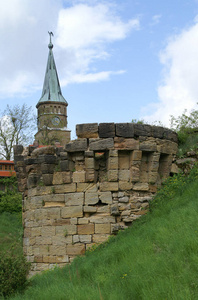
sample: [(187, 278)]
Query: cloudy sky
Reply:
[(116, 60)]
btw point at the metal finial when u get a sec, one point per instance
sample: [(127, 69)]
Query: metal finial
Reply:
[(50, 43)]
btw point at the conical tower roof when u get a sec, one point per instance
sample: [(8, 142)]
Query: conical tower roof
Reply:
[(51, 87)]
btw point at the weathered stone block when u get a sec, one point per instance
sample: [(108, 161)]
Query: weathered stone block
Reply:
[(170, 135), (102, 228), (142, 130), (108, 186), (33, 180), (115, 210), (153, 177), (89, 162), (65, 188), (124, 186), (100, 238), (148, 146), (18, 149), (66, 177), (106, 130), (124, 175), (136, 155), (113, 152), (85, 238), (86, 229), (125, 130), (64, 165), (57, 178), (141, 187), (47, 179), (91, 198), (82, 186), (101, 144), (43, 240), (135, 174), (71, 212), (158, 131), (79, 176), (89, 209), (112, 175), (57, 250), (47, 168), (112, 163), (90, 175), (126, 143), (89, 153), (77, 145), (48, 231), (97, 219), (105, 197), (48, 159), (53, 198), (89, 130), (77, 249), (65, 231), (74, 199)]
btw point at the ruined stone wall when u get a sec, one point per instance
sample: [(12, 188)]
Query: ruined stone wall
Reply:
[(76, 196)]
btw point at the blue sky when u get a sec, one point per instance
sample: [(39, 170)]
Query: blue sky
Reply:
[(116, 60)]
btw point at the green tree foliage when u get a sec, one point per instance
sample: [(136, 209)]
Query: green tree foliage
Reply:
[(16, 126), (185, 124)]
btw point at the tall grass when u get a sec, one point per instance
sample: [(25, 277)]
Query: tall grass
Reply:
[(157, 258)]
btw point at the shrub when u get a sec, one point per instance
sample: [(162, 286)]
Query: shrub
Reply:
[(10, 199), (13, 272)]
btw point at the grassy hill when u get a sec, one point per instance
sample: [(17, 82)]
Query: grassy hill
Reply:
[(157, 258)]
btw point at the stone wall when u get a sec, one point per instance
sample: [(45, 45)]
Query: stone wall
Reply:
[(76, 196)]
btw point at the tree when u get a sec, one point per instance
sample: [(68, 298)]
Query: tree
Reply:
[(17, 125)]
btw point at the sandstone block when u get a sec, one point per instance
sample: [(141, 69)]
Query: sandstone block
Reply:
[(43, 240), (86, 229), (148, 146), (91, 198), (83, 220), (48, 159), (47, 168), (53, 198), (90, 175), (141, 187), (125, 130), (65, 230), (57, 178), (112, 175), (77, 249), (135, 174), (106, 130), (40, 214), (89, 209), (112, 163), (57, 250), (61, 239), (105, 197), (79, 176), (153, 177), (115, 210), (53, 213), (18, 149), (124, 199), (64, 165), (102, 228), (89, 162), (142, 130), (65, 188), (48, 231), (100, 238), (47, 179), (102, 219), (136, 155), (124, 175), (170, 135), (66, 177), (126, 143), (89, 130), (101, 144), (89, 153), (74, 199), (113, 152), (71, 212), (33, 180), (77, 145), (105, 209), (108, 186), (82, 186), (85, 238), (124, 185), (158, 131)]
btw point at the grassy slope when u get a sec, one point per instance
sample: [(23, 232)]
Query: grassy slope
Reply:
[(10, 231), (157, 258)]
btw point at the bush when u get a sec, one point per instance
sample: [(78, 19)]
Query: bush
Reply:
[(10, 199), (13, 273)]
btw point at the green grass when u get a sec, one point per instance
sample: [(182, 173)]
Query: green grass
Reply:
[(190, 144), (10, 231), (157, 258)]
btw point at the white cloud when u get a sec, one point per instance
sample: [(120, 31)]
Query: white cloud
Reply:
[(179, 89), (82, 33)]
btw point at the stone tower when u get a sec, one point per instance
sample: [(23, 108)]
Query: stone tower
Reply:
[(52, 107)]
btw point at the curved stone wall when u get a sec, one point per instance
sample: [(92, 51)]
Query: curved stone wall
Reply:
[(76, 196)]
